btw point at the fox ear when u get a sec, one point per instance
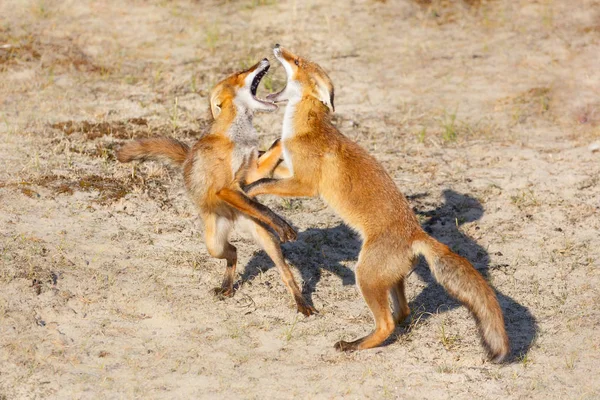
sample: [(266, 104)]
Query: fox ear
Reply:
[(325, 93), (215, 104)]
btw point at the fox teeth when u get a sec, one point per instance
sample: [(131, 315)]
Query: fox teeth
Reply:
[(257, 80)]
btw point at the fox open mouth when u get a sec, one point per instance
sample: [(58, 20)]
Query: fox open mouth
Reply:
[(274, 97), (256, 81)]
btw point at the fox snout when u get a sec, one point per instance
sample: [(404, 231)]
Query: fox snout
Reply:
[(264, 62), (283, 54)]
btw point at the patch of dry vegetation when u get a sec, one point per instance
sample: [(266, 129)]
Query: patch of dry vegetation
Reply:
[(59, 54), (443, 12), (109, 189), (133, 128), (534, 102)]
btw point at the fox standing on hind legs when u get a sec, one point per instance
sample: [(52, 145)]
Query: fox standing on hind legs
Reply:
[(216, 166), (323, 162)]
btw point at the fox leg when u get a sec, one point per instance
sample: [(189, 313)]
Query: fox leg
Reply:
[(289, 187), (281, 171), (399, 304), (271, 246), (266, 163), (252, 208), (374, 286), (216, 231)]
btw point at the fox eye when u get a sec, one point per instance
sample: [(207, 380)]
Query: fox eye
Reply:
[(297, 62)]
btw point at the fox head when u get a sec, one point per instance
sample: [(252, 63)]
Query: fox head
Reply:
[(304, 79), (237, 92)]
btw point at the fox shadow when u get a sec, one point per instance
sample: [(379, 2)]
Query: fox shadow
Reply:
[(316, 250)]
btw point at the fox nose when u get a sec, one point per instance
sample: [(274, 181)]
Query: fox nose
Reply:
[(265, 59), (277, 45)]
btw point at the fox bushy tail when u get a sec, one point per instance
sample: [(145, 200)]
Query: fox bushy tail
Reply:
[(466, 284), (158, 149)]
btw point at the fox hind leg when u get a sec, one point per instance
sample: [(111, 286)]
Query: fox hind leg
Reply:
[(374, 286), (376, 297), (400, 309), (217, 231), (272, 247)]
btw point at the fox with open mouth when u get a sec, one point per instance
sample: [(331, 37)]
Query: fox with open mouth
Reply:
[(320, 161), (216, 167)]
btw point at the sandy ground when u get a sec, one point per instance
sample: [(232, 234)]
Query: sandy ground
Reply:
[(485, 113)]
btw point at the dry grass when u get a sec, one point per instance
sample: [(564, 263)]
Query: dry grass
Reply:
[(482, 111), (56, 54)]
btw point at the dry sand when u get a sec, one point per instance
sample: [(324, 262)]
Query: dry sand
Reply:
[(484, 112)]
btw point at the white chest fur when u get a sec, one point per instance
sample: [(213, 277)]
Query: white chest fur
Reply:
[(288, 133), (245, 137)]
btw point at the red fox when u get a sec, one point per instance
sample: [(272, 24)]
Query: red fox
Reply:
[(323, 162), (215, 168)]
